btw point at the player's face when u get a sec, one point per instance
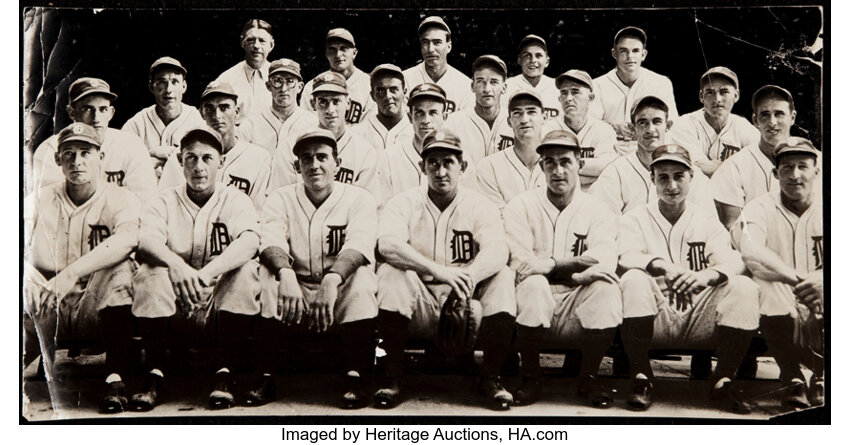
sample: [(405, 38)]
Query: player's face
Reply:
[(525, 118), (95, 110), (435, 46), (796, 175), (201, 162), (718, 96), (774, 118), (284, 88), (80, 162), (257, 43), (575, 99), (168, 87), (651, 128), (443, 169), (340, 55), (533, 60), (317, 166), (330, 108), (672, 182), (220, 113), (629, 53), (426, 116), (560, 165), (488, 86), (388, 94)]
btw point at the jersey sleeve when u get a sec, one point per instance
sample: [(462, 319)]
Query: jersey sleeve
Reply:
[(361, 233), (395, 218), (726, 184), (486, 183), (754, 217), (669, 98), (385, 184), (140, 178), (132, 125), (274, 229), (604, 153), (153, 220), (261, 183), (367, 177), (126, 218), (721, 256), (596, 109), (602, 239), (631, 244), (685, 132), (282, 171), (243, 215), (172, 174), (518, 231), (608, 188), (701, 190)]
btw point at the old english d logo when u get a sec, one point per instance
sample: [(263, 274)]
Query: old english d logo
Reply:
[(219, 238), (696, 256), (354, 112), (463, 247), (728, 150), (240, 183), (344, 176), (817, 251), (335, 239), (580, 246), (505, 142), (97, 235), (116, 177)]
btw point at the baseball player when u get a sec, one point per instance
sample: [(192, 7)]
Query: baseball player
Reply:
[(438, 240), (435, 42), (563, 251), (389, 125), (626, 183), (747, 175), (780, 235), (617, 90), (341, 51), (76, 283), (713, 132), (597, 139), (162, 124), (533, 59), (277, 127), (196, 242), (484, 128), (318, 245), (509, 172), (248, 77), (683, 283), (126, 161), (245, 166)]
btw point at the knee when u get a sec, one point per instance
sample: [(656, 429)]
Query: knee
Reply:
[(389, 276), (530, 290), (636, 287)]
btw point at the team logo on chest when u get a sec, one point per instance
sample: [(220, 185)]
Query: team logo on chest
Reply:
[(580, 246), (450, 106), (240, 183), (696, 256), (505, 142), (354, 112), (344, 176), (728, 150), (219, 238), (549, 113), (116, 177), (98, 233), (463, 247), (335, 239), (817, 251)]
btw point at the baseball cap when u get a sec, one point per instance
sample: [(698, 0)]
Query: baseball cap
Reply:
[(525, 94), (559, 138), (219, 88), (167, 61), (340, 34), (433, 21), (630, 31), (316, 134), (795, 145), (330, 81), (671, 153), (428, 90), (85, 86), (443, 140), (719, 71), (576, 75), (646, 101), (533, 38), (387, 68), (205, 134), (79, 132), (286, 66), (489, 59), (768, 90)]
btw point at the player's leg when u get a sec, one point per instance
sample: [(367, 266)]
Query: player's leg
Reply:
[(498, 300), (535, 306), (355, 311), (599, 309), (268, 331), (639, 311)]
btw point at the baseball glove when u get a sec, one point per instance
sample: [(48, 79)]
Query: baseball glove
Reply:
[(458, 328)]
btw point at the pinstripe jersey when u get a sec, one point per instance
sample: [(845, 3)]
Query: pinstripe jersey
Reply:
[(598, 141), (694, 133), (380, 137), (502, 176), (147, 125), (477, 138), (458, 86), (545, 88), (360, 105), (267, 131)]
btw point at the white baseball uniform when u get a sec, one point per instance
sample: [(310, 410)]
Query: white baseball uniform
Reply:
[(697, 241), (598, 142), (697, 136), (126, 162), (614, 99), (381, 137), (458, 86), (313, 237), (477, 138), (360, 103), (267, 131), (246, 167), (545, 88), (626, 184), (162, 139), (536, 229), (502, 176), (250, 85)]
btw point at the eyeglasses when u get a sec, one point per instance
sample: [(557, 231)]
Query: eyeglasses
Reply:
[(278, 82)]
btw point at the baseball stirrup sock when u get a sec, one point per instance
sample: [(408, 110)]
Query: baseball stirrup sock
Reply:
[(636, 334), (594, 345), (357, 342), (117, 325), (392, 328), (155, 339), (527, 343), (495, 335), (233, 330), (779, 335), (732, 345), (267, 341)]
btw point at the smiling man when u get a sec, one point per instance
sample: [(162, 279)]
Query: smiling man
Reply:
[(533, 59), (248, 77)]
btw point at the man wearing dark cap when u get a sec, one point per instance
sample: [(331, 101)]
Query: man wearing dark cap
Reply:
[(78, 238), (713, 133), (126, 161), (617, 90), (389, 126), (248, 77), (484, 128), (533, 59), (684, 284), (435, 42), (340, 50), (162, 124), (597, 139), (563, 250), (439, 241), (781, 237), (318, 253)]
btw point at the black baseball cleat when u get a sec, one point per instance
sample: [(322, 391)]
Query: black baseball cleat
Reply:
[(221, 396), (355, 394), (796, 397), (146, 400), (816, 391), (528, 392), (265, 392), (593, 393), (496, 396), (641, 396), (728, 398), (115, 400), (389, 396)]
